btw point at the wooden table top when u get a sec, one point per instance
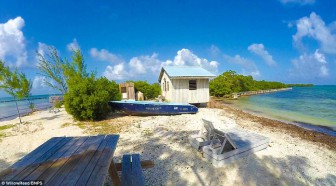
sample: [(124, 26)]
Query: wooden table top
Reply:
[(66, 161)]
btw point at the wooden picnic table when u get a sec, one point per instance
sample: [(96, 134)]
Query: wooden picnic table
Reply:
[(68, 161)]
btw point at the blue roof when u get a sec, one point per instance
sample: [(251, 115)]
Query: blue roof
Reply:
[(186, 71)]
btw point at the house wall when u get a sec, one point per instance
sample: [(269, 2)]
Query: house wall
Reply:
[(178, 90), (182, 94), (167, 93)]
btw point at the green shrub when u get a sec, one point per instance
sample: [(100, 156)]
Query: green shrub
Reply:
[(32, 106), (230, 81), (58, 104), (150, 91), (87, 98)]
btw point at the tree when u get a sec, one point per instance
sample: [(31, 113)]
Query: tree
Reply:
[(230, 82), (150, 91), (87, 97), (15, 84), (51, 67)]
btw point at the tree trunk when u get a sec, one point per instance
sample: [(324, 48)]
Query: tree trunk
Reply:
[(18, 110)]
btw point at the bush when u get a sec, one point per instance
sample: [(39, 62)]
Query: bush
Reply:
[(150, 91), (58, 104), (88, 98), (32, 106), (230, 81)]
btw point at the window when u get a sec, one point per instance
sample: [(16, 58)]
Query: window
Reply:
[(167, 83), (123, 89), (192, 85)]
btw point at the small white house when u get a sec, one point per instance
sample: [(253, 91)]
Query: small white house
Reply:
[(185, 84)]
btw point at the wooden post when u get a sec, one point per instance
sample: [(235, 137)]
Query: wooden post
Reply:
[(114, 174)]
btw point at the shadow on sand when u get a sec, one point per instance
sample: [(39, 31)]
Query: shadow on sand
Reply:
[(180, 164)]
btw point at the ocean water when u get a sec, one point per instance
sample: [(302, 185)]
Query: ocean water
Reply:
[(309, 107), (8, 107)]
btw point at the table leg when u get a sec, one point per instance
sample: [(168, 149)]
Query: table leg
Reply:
[(114, 174)]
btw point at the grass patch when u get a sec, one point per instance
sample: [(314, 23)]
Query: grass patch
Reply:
[(66, 125), (4, 127), (99, 127), (147, 132)]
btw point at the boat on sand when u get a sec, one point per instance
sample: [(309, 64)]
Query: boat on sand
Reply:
[(152, 108)]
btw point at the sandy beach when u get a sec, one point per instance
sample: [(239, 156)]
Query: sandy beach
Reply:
[(294, 157)]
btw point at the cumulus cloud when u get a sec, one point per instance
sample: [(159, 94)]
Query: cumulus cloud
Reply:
[(314, 27), (310, 66), (248, 66), (12, 42), (73, 45), (105, 55), (116, 72), (38, 82), (300, 2), (260, 50), (185, 57), (148, 64), (141, 64)]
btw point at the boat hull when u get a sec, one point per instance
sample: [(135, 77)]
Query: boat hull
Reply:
[(152, 108)]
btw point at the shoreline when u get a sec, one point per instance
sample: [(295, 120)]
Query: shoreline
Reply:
[(309, 126), (294, 130)]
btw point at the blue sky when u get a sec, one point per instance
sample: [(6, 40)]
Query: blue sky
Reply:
[(292, 41)]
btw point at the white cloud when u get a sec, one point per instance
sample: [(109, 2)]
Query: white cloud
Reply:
[(73, 45), (310, 66), (141, 64), (12, 42), (116, 72), (147, 64), (185, 57), (314, 27), (248, 66), (260, 50), (42, 48), (105, 55), (137, 66), (301, 2), (38, 82), (214, 51)]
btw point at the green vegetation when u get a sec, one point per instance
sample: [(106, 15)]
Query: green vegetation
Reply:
[(100, 127), (15, 84), (300, 85), (58, 104), (150, 91), (230, 82), (32, 106), (87, 97), (51, 67), (4, 127)]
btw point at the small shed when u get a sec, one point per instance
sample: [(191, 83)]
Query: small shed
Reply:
[(127, 91), (139, 96), (185, 84)]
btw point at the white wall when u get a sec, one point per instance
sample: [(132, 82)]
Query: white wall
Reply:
[(179, 90)]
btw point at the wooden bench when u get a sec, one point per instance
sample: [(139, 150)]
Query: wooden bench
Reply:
[(131, 174)]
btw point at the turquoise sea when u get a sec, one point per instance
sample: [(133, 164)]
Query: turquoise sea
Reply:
[(309, 107), (8, 107)]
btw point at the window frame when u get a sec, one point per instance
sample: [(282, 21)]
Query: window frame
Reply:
[(192, 84)]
